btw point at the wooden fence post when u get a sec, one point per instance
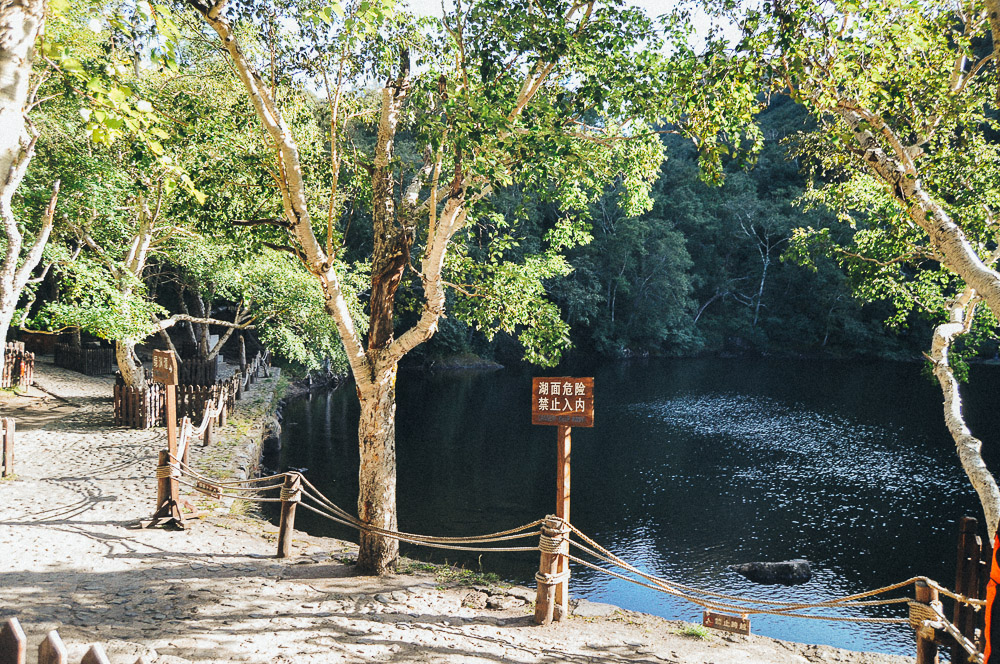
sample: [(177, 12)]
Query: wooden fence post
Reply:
[(208, 432), (966, 583), (52, 650), (927, 650), (6, 446), (291, 494), (545, 599), (186, 428), (163, 481), (95, 655), (13, 643)]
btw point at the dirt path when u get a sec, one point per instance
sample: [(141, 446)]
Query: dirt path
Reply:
[(71, 558)]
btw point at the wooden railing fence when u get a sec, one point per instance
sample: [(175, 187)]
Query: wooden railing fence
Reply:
[(142, 409), (6, 446), (963, 634), (18, 366), (86, 360), (14, 647), (198, 372), (138, 409)]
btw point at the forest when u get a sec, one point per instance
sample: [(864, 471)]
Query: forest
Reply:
[(179, 178), (355, 186)]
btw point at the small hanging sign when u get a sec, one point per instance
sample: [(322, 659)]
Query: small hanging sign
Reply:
[(562, 401), (726, 622), (208, 489)]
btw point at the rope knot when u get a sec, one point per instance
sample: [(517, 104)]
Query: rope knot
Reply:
[(291, 494), (551, 579), (552, 544), (920, 613), (170, 470)]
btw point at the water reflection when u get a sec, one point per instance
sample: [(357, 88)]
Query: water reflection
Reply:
[(693, 465)]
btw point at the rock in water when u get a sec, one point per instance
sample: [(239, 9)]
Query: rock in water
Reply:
[(787, 572)]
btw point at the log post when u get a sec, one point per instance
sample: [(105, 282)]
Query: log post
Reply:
[(209, 425), (966, 583), (291, 494), (563, 457), (927, 650), (984, 565), (7, 446), (186, 430), (162, 481), (548, 571)]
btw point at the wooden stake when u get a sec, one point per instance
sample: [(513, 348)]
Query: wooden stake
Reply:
[(186, 425), (564, 441), (167, 499), (293, 482), (545, 599), (172, 419), (966, 583), (7, 446), (927, 650)]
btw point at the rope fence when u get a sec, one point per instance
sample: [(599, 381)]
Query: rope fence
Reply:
[(557, 537), (558, 540)]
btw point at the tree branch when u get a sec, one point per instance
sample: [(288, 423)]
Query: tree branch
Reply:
[(35, 254), (185, 318)]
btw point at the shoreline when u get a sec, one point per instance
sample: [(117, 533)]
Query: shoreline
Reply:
[(216, 593)]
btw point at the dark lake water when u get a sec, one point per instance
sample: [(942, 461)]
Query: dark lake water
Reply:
[(693, 465)]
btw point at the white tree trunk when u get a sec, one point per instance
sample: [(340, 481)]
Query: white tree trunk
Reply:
[(969, 447), (20, 22), (377, 474), (128, 363), (901, 176)]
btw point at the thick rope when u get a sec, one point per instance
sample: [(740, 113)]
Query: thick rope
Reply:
[(552, 579), (709, 605), (428, 539), (615, 560), (402, 537), (357, 523), (558, 543)]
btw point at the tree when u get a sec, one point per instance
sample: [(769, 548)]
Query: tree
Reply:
[(20, 22), (555, 97), (902, 92)]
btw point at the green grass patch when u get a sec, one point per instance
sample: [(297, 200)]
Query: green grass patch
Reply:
[(696, 632)]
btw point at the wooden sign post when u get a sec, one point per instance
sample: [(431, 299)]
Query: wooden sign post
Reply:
[(564, 403), (168, 492)]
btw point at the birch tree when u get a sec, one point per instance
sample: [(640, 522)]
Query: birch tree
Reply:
[(20, 25), (903, 92), (555, 96)]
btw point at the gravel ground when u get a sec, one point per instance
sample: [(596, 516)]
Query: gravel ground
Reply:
[(73, 559)]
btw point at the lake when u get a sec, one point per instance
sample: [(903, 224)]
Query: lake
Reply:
[(692, 465)]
